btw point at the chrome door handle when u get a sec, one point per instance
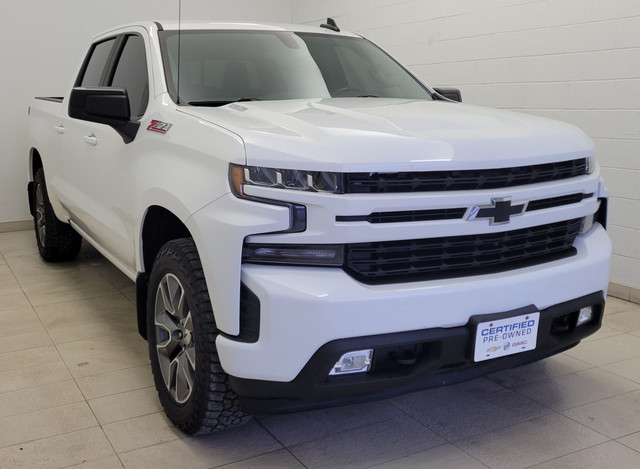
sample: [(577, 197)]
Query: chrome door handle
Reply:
[(91, 140), (59, 128)]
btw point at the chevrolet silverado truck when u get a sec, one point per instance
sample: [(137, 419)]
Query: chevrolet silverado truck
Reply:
[(308, 223)]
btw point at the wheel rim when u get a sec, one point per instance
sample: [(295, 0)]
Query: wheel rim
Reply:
[(175, 346), (40, 221)]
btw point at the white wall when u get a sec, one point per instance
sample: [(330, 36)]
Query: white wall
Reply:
[(43, 41), (573, 60)]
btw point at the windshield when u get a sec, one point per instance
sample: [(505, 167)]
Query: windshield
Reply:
[(218, 67)]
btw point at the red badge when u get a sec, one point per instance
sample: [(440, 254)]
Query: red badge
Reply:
[(159, 126)]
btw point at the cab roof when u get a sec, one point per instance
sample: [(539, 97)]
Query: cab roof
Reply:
[(223, 25)]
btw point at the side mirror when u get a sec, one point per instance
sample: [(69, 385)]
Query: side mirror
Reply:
[(104, 105), (452, 94)]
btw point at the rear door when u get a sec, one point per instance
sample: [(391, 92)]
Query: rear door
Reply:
[(68, 176)]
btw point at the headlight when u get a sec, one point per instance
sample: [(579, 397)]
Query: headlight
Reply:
[(313, 181), (591, 164)]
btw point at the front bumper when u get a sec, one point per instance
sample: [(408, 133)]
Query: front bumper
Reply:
[(442, 356), (304, 308)]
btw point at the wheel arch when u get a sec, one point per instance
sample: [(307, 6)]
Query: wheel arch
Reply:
[(159, 226), (35, 163)]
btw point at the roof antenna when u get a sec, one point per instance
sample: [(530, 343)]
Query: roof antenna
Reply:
[(331, 24), (179, 48)]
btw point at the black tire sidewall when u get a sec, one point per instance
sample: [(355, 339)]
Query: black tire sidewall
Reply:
[(61, 242), (190, 414)]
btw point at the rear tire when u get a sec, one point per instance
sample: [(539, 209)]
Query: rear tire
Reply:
[(193, 388), (57, 241)]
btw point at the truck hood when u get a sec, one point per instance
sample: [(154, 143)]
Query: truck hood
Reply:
[(376, 134)]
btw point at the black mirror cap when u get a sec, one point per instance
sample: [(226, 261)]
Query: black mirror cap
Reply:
[(104, 105), (450, 94)]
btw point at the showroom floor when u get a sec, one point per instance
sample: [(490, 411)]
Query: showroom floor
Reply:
[(76, 389)]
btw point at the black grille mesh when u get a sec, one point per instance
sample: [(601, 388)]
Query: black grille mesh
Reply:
[(459, 256), (408, 216), (557, 201), (430, 181)]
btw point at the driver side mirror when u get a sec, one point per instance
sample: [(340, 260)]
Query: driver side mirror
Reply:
[(453, 94), (104, 105)]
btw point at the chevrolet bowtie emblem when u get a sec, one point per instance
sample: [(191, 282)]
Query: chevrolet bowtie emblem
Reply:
[(499, 212)]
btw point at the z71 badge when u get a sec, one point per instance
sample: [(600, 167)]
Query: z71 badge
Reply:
[(159, 126)]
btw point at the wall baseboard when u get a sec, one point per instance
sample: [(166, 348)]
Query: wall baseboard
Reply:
[(16, 226), (624, 293)]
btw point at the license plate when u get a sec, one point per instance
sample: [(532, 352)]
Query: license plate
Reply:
[(507, 336)]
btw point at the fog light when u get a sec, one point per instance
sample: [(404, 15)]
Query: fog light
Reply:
[(358, 361), (302, 254), (585, 315)]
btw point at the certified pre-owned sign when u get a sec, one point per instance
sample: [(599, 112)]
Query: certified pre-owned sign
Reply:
[(506, 336)]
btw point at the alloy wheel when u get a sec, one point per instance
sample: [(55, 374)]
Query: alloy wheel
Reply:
[(40, 216), (175, 343)]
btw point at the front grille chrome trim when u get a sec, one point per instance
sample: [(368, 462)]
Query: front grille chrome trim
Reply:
[(458, 213)]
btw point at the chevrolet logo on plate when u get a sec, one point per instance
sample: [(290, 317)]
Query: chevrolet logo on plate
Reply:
[(499, 212)]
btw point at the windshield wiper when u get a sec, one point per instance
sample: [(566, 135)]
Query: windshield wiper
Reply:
[(221, 103), (367, 96)]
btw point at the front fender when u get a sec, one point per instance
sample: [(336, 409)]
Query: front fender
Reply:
[(219, 230)]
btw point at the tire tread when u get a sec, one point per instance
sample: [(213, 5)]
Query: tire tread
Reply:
[(216, 406)]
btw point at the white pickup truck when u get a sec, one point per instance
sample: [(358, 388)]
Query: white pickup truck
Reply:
[(308, 223)]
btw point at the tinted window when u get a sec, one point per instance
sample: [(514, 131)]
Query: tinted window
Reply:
[(96, 65), (131, 74), (356, 67), (215, 67), (228, 65)]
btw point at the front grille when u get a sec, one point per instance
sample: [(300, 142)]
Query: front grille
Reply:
[(464, 180), (459, 256)]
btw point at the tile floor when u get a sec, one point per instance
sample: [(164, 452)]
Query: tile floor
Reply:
[(76, 390)]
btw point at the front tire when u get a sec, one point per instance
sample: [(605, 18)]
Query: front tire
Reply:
[(57, 241), (192, 386)]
